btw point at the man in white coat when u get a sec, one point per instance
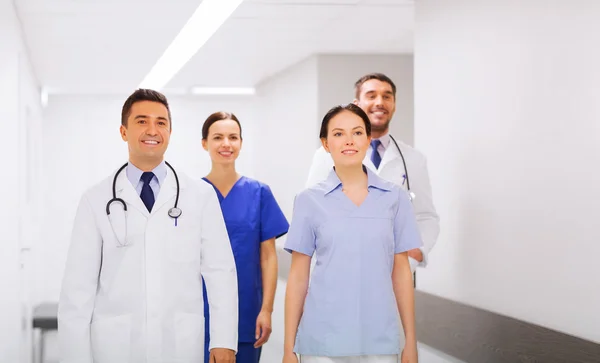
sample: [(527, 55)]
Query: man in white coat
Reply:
[(376, 94), (132, 286)]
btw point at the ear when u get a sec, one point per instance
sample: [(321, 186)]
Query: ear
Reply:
[(123, 131), (204, 145), (325, 144), (355, 101)]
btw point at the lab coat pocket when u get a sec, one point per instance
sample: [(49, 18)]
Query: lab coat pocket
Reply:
[(184, 246), (189, 341), (111, 339)]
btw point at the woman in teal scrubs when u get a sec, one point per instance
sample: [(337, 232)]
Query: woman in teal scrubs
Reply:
[(254, 220)]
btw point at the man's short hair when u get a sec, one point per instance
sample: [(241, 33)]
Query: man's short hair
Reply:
[(378, 76), (143, 95)]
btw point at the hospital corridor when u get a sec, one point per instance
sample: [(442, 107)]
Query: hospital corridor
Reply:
[(300, 181)]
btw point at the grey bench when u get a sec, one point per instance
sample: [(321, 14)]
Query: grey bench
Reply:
[(45, 318)]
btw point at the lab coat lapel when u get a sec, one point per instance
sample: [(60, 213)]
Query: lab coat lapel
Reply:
[(167, 192), (127, 192), (391, 154), (369, 164)]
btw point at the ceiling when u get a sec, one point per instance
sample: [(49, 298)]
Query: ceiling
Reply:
[(108, 46)]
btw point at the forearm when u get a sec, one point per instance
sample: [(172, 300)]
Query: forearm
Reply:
[(269, 268), (405, 298), (295, 295)]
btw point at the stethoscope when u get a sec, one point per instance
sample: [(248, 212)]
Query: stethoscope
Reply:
[(174, 212), (411, 195)]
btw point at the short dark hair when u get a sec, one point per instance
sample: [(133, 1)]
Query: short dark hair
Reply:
[(337, 110), (140, 95), (367, 77), (218, 116)]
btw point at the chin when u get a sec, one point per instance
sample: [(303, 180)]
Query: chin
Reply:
[(349, 162)]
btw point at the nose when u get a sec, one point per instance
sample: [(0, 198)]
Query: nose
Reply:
[(151, 130), (379, 100), (226, 141)]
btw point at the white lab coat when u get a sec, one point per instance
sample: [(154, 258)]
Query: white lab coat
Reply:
[(143, 302), (391, 168)]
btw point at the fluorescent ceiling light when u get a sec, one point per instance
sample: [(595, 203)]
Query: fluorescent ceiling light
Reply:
[(222, 90), (205, 21)]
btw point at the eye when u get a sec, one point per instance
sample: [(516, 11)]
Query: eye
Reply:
[(216, 137), (141, 121), (337, 134), (358, 132)]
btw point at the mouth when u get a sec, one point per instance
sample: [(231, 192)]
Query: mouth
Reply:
[(349, 152), (379, 113), (151, 142), (226, 153)]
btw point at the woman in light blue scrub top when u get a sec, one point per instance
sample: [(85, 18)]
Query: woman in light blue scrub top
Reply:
[(359, 228), (253, 220)]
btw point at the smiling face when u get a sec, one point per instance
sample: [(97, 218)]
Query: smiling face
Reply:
[(223, 141), (147, 132), (377, 99), (347, 139)]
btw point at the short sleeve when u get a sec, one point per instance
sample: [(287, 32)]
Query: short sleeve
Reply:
[(273, 223), (301, 237), (406, 232)]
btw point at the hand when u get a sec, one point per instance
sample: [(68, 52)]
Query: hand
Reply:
[(409, 354), (416, 253), (290, 358), (222, 355), (263, 328)]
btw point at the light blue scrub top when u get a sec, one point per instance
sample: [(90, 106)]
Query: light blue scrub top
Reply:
[(251, 216), (350, 308)]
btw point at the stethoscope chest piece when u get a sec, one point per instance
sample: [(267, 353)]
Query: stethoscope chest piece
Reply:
[(175, 212)]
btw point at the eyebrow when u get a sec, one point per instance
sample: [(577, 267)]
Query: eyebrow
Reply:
[(146, 116), (354, 128), (386, 92), (220, 134)]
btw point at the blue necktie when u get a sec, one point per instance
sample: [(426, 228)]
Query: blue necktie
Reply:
[(147, 194), (375, 158)]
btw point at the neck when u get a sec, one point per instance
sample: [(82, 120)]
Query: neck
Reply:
[(223, 173), (375, 134), (352, 176), (145, 165)]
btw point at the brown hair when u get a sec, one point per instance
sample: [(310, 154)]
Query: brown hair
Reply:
[(378, 76), (143, 95), (218, 116), (337, 110)]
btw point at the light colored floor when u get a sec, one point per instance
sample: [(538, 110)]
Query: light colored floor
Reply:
[(273, 350)]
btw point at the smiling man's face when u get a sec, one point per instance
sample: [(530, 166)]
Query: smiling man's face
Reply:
[(147, 133), (377, 99)]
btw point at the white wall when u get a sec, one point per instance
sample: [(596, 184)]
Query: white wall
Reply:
[(507, 111), (20, 120), (338, 72), (289, 130)]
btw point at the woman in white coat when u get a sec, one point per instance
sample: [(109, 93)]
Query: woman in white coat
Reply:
[(132, 289)]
